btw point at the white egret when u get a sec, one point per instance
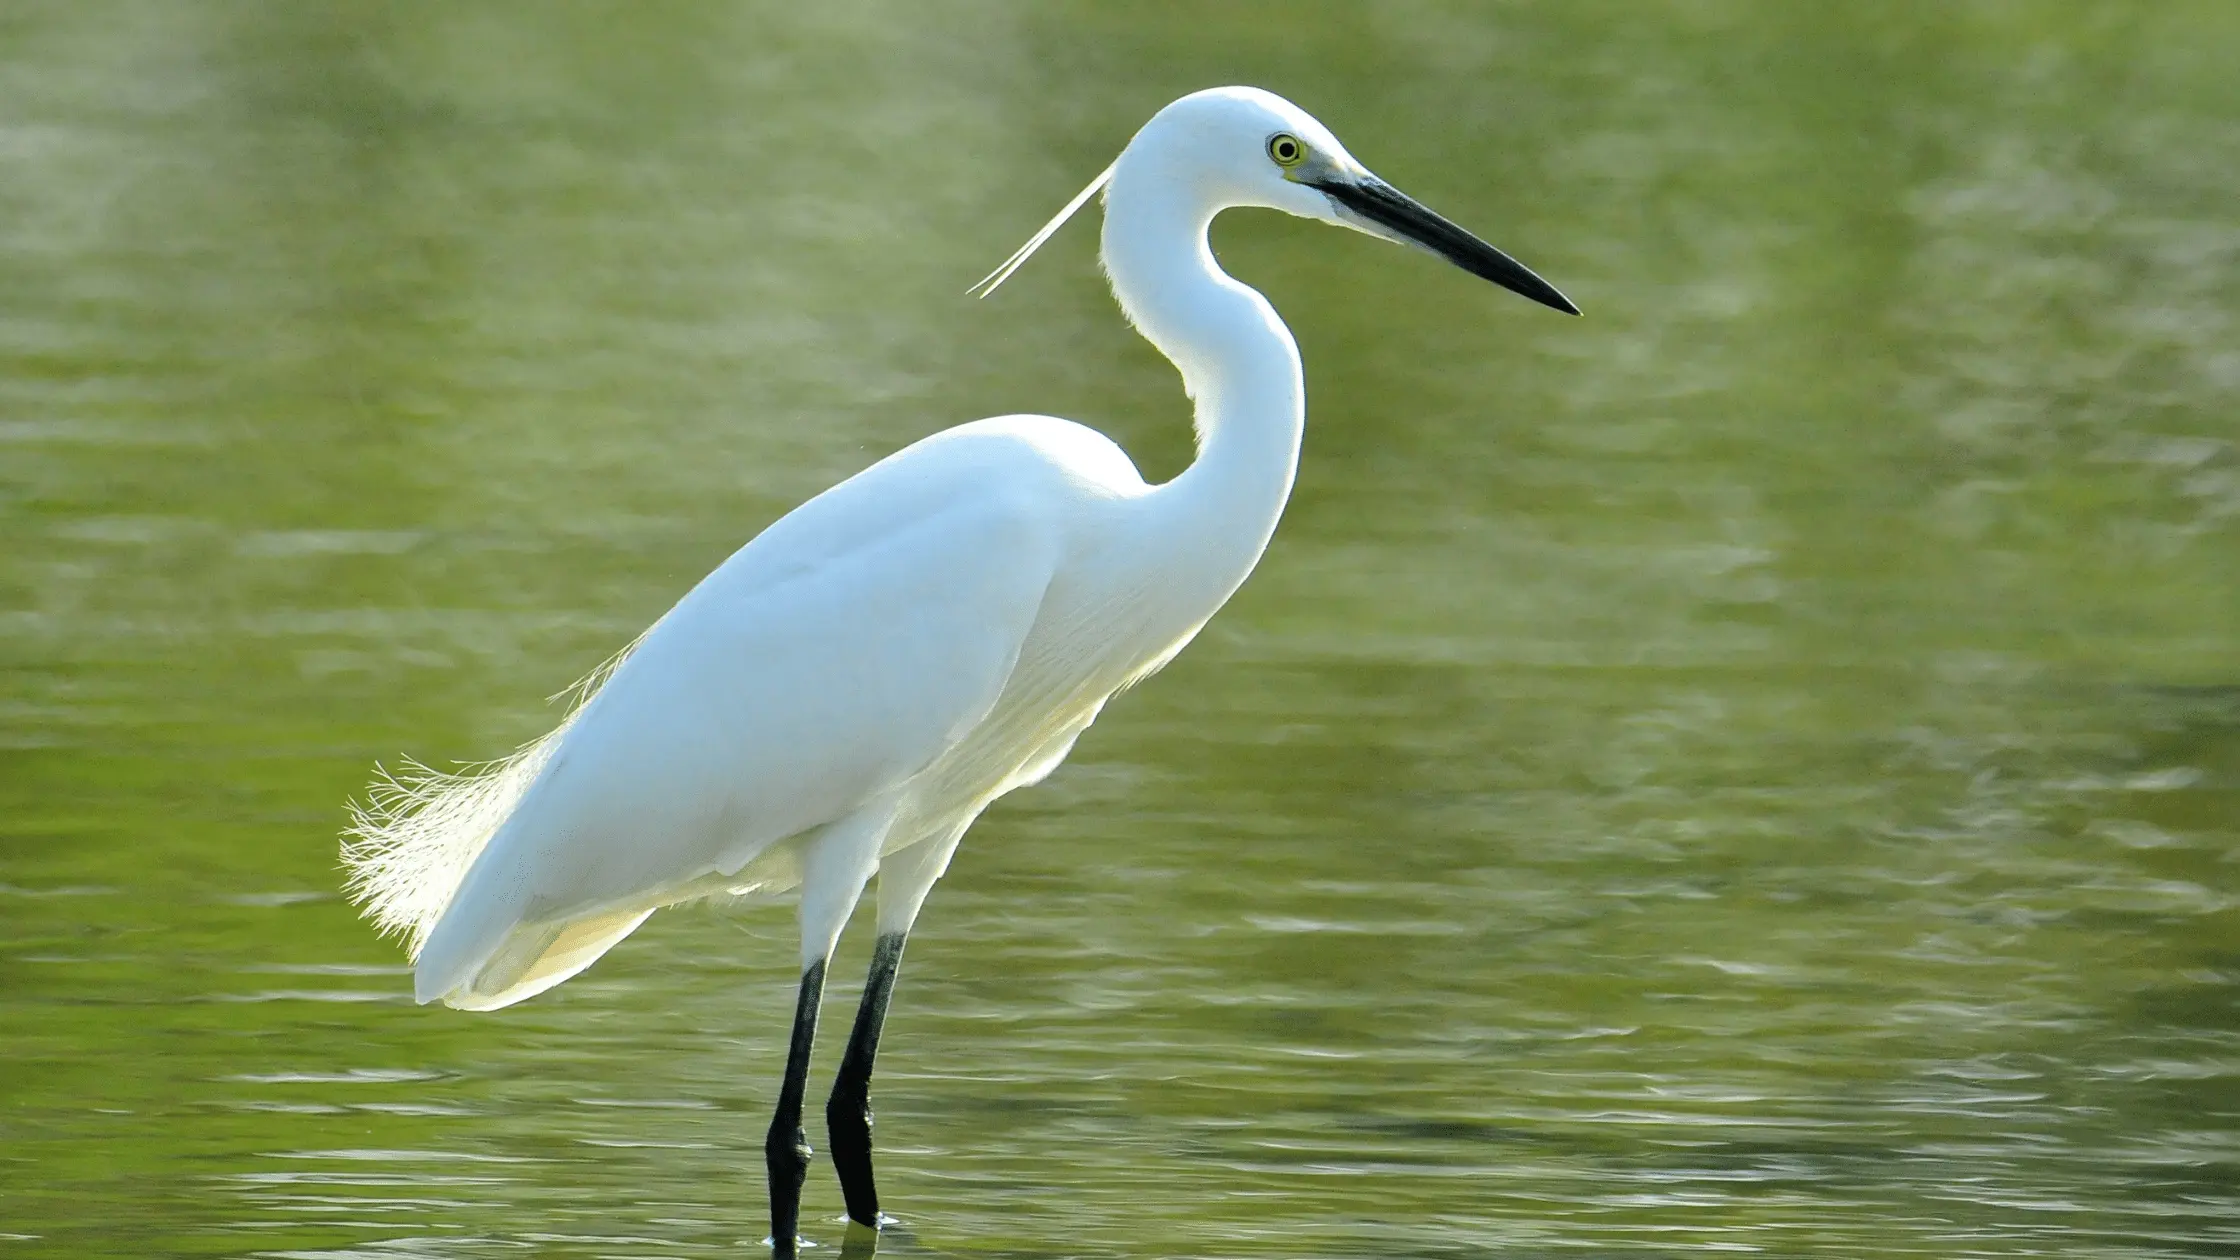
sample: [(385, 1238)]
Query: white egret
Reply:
[(847, 692)]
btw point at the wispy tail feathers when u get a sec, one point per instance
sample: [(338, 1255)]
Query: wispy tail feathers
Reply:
[(410, 845)]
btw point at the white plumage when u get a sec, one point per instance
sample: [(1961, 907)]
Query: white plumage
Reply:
[(873, 669), (849, 690), (864, 676)]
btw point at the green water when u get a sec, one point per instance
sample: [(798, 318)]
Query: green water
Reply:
[(1754, 769)]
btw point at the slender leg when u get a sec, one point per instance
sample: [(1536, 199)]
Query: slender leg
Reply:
[(834, 866), (787, 1148), (905, 876), (847, 1116)]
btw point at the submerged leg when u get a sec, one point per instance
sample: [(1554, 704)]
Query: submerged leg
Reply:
[(786, 1150), (847, 1115), (905, 877), (834, 867)]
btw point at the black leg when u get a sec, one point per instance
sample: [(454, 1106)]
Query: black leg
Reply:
[(787, 1148), (848, 1116)]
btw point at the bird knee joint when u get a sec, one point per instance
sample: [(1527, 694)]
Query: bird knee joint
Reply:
[(787, 1151)]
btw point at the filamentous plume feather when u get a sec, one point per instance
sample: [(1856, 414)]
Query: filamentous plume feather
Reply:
[(410, 844)]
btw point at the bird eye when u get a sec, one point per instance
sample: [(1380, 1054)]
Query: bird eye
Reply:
[(1286, 149)]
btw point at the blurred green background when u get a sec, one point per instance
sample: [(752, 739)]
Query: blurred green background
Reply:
[(1754, 769)]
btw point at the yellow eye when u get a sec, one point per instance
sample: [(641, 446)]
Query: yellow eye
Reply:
[(1286, 149)]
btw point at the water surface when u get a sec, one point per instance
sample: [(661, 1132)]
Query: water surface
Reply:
[(1754, 769)]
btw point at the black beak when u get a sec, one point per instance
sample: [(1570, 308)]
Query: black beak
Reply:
[(1405, 217)]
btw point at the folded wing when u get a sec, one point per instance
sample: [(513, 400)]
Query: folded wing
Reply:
[(785, 691)]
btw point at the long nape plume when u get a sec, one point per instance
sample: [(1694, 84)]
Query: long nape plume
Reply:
[(989, 282)]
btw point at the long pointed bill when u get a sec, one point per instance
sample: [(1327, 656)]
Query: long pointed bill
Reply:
[(1380, 209)]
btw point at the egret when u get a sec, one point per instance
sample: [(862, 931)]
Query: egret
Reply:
[(846, 693)]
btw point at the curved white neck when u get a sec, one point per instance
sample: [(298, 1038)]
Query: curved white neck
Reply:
[(1238, 363)]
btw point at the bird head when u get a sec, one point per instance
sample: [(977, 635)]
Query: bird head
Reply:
[(1242, 146)]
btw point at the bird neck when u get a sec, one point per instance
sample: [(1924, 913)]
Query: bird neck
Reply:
[(1238, 361)]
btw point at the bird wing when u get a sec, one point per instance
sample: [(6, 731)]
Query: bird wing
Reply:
[(798, 681)]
